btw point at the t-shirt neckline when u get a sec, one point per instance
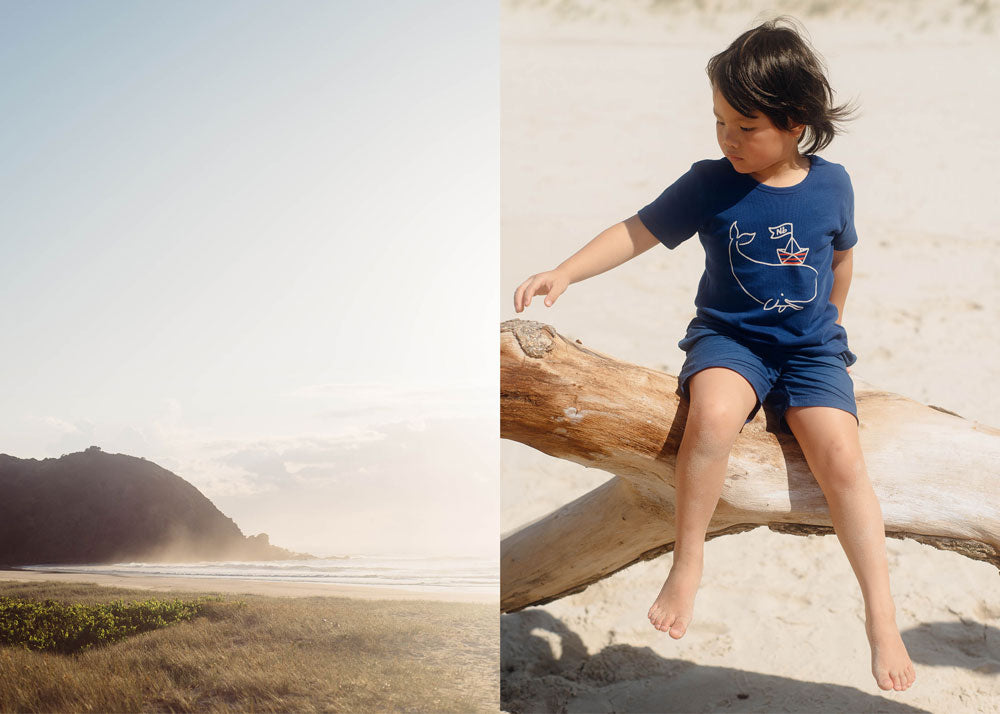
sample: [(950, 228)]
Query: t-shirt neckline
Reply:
[(813, 163)]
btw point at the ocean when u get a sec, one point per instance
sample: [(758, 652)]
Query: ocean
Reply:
[(412, 573)]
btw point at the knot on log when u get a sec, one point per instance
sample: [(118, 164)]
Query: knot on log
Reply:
[(534, 338)]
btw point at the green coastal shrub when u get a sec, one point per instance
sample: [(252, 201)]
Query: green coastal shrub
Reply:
[(67, 628)]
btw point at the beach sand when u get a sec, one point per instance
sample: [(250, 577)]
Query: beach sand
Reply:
[(252, 587), (603, 105)]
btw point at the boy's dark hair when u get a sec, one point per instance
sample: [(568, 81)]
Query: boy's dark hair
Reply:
[(773, 70)]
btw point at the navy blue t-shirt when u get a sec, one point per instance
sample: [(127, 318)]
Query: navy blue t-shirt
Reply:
[(768, 252)]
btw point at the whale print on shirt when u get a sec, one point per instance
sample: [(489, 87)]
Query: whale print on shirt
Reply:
[(789, 282)]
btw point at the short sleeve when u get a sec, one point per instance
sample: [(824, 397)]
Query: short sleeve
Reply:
[(848, 235), (676, 214)]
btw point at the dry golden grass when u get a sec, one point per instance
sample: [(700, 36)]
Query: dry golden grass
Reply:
[(317, 654)]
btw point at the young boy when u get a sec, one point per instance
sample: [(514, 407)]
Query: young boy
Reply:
[(777, 225)]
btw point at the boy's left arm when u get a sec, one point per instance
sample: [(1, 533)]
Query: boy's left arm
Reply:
[(843, 269)]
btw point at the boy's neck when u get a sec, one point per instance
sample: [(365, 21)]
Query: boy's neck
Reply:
[(787, 172)]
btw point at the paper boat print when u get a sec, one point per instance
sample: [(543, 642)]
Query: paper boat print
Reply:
[(792, 253)]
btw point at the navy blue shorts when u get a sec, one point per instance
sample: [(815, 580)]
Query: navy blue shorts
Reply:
[(780, 380)]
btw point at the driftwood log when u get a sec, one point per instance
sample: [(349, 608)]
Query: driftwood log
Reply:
[(937, 475)]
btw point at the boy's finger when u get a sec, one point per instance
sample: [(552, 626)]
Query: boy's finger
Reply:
[(554, 293), (529, 293), (534, 285), (522, 298)]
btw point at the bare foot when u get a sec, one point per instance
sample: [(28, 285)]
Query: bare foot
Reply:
[(674, 606), (891, 664)]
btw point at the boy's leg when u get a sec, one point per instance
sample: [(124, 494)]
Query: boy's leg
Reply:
[(829, 440), (721, 399)]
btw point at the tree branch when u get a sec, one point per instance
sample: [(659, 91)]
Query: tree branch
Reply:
[(935, 474)]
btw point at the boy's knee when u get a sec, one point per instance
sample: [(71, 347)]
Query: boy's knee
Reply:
[(714, 424), (842, 464)]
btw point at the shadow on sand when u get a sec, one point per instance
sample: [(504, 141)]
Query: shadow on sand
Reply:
[(967, 644), (545, 667)]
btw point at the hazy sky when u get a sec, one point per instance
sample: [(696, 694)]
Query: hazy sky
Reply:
[(257, 243)]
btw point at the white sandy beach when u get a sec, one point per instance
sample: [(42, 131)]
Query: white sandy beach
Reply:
[(252, 587), (602, 109)]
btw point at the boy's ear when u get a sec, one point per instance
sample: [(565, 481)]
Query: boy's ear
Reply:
[(797, 130)]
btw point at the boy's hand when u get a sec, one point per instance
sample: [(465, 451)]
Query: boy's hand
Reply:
[(551, 283)]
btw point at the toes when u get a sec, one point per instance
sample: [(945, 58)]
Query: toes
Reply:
[(898, 681), (678, 629), (662, 621)]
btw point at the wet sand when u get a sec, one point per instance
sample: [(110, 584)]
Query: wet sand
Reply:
[(253, 587)]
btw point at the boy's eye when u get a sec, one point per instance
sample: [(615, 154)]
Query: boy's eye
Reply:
[(747, 128)]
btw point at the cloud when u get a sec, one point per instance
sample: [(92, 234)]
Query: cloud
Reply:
[(60, 425), (375, 402), (219, 480), (65, 435), (415, 483), (430, 491)]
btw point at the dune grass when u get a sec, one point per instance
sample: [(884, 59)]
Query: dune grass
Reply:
[(264, 654), (73, 627)]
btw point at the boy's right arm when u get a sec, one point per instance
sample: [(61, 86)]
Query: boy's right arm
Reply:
[(614, 246)]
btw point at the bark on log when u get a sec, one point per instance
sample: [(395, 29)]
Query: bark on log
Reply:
[(935, 473)]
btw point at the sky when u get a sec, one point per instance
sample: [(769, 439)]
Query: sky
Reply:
[(257, 243)]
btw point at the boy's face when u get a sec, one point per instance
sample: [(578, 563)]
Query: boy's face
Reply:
[(753, 145)]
